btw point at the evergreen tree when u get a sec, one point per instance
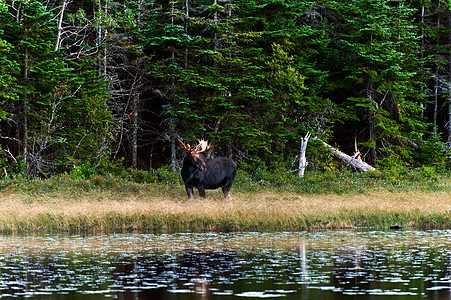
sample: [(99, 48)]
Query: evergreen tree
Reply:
[(80, 80), (58, 112), (383, 61)]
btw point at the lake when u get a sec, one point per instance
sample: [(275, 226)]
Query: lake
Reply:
[(287, 265)]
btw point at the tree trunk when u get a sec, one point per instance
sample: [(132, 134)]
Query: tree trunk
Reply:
[(434, 117), (186, 31), (105, 34), (347, 160), (422, 105), (436, 87), (215, 21), (302, 161), (60, 26), (371, 120), (26, 109), (101, 37), (135, 131), (25, 112), (151, 157), (173, 153)]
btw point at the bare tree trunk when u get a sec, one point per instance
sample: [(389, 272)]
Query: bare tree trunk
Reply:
[(215, 21), (171, 48), (371, 114), (60, 26), (186, 31), (347, 160), (434, 117), (436, 87), (105, 49), (302, 161), (135, 131), (101, 35), (26, 109), (371, 121), (151, 157), (173, 153), (422, 57), (172, 13)]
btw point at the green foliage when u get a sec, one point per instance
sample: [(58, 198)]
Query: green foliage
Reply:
[(167, 176), (250, 76), (141, 176), (433, 154), (166, 182), (384, 46), (60, 103), (81, 172)]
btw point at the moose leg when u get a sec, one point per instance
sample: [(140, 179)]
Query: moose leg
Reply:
[(225, 192), (201, 190), (226, 189), (189, 191)]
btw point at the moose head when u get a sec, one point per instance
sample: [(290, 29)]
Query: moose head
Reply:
[(193, 152)]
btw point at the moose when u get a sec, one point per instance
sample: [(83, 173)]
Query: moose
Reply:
[(204, 173)]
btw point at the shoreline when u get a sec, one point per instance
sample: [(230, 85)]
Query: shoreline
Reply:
[(102, 211)]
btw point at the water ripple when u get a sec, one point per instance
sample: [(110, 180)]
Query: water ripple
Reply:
[(293, 265)]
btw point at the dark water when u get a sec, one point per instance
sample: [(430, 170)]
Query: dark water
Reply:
[(292, 265)]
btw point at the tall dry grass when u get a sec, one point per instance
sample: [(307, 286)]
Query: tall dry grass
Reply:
[(169, 209)]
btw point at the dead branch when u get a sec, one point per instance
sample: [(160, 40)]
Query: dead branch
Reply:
[(352, 161)]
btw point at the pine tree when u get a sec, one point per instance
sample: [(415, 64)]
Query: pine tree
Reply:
[(58, 113), (383, 46)]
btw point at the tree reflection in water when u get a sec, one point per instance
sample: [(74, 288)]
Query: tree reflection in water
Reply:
[(289, 265)]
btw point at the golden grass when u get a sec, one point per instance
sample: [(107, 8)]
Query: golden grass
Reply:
[(104, 211)]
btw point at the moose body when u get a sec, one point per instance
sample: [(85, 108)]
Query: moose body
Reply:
[(204, 173)]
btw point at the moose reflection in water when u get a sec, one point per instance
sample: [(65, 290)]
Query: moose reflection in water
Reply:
[(204, 173)]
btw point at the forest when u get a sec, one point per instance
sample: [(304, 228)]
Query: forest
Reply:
[(115, 83)]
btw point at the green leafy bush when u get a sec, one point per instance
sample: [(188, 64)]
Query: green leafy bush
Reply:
[(83, 171), (165, 174), (141, 176)]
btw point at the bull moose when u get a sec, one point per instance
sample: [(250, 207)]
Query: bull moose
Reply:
[(204, 173)]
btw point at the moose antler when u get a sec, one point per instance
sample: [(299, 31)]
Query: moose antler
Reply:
[(188, 149), (201, 147)]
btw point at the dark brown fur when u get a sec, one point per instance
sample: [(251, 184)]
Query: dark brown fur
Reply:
[(206, 174)]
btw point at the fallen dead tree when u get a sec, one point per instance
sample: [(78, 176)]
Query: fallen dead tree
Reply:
[(354, 161)]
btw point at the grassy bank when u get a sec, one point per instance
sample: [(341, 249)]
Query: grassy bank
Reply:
[(110, 204)]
